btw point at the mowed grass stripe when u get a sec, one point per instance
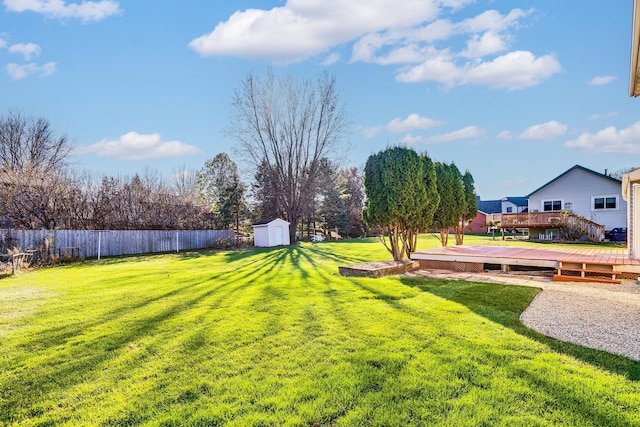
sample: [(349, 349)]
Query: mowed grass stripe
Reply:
[(277, 337)]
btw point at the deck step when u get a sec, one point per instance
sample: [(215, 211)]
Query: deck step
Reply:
[(590, 279), (588, 272)]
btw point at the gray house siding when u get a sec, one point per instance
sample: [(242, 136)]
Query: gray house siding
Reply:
[(576, 190)]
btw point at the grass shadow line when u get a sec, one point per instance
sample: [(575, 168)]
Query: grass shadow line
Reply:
[(503, 304)]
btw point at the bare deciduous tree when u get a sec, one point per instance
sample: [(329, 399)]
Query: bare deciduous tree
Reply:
[(33, 180), (288, 127), (29, 144)]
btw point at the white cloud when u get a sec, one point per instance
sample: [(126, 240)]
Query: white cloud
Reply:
[(135, 146), (3, 42), (20, 71), (385, 32), (439, 68), (486, 44), (412, 122), (27, 50), (601, 80), (331, 59), (468, 132), (304, 28), (543, 131), (464, 133), (610, 140), (415, 45), (514, 70), (86, 10)]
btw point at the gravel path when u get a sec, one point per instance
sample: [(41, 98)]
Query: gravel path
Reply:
[(594, 315)]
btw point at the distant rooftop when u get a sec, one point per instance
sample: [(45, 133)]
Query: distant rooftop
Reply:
[(489, 206)]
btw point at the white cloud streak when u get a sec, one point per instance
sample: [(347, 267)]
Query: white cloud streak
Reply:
[(601, 80), (135, 146), (609, 140), (412, 122), (468, 132), (514, 70), (544, 131), (27, 50), (21, 71), (87, 11), (304, 28), (331, 59)]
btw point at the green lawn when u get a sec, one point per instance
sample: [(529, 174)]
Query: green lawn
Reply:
[(277, 337)]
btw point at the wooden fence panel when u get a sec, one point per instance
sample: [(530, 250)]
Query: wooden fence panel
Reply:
[(93, 243)]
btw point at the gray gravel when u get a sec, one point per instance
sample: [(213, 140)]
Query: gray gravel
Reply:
[(594, 315)]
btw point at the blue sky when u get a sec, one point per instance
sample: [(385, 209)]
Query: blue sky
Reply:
[(515, 92)]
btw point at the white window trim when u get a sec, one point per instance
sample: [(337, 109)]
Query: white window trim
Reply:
[(593, 203), (551, 200)]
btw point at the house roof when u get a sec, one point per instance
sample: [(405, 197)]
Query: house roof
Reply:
[(268, 221), (518, 201), (489, 206), (576, 167), (634, 81)]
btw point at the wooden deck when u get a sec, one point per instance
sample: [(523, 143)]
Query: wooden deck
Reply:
[(473, 258), (552, 220)]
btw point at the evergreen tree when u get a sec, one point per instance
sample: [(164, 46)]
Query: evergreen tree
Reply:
[(397, 197), (334, 211), (350, 184), (218, 184), (452, 199), (470, 209), (265, 194)]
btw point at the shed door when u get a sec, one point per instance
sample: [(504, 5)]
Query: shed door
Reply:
[(279, 236)]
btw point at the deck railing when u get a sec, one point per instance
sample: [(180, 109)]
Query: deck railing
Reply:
[(530, 219), (561, 220)]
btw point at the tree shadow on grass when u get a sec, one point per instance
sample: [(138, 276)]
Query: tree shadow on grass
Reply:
[(504, 305), (324, 250)]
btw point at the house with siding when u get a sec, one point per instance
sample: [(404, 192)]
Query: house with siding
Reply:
[(514, 204), (590, 194)]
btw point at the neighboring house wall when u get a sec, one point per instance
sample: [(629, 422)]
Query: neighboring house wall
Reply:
[(510, 206), (478, 224), (586, 193)]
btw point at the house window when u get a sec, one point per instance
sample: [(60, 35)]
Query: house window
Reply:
[(551, 205), (605, 202), (509, 209)]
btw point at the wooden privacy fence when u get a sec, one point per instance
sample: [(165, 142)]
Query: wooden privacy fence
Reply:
[(96, 244)]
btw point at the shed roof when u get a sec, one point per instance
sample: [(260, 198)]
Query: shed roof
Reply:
[(576, 167), (268, 221)]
